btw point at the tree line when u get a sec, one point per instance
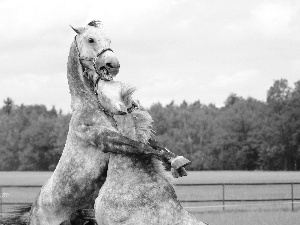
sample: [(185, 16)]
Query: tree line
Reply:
[(31, 137), (245, 134)]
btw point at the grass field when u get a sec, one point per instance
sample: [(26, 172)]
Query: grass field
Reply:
[(250, 213)]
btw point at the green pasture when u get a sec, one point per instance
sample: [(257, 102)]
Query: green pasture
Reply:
[(235, 213)]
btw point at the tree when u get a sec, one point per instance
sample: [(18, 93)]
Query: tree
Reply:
[(31, 137), (232, 99), (293, 114), (8, 104), (279, 92), (235, 139), (282, 117)]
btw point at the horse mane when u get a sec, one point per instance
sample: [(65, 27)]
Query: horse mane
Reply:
[(142, 125), (126, 93), (79, 85), (137, 125), (74, 69), (161, 170), (95, 23)]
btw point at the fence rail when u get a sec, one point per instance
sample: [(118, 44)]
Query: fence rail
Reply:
[(292, 199)]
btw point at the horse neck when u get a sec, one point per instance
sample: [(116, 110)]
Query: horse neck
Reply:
[(80, 92), (121, 166), (135, 126), (136, 168)]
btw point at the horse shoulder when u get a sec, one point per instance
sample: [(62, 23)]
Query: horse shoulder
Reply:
[(88, 125)]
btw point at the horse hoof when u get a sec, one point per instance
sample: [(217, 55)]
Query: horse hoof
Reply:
[(175, 173), (179, 161), (181, 172)]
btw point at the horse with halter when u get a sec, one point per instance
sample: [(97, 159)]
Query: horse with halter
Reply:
[(82, 168)]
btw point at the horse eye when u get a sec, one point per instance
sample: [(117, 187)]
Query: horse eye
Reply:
[(91, 40)]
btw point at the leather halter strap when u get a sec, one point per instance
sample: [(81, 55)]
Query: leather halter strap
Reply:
[(92, 59)]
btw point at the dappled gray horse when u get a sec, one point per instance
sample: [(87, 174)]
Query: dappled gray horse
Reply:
[(82, 168), (137, 189)]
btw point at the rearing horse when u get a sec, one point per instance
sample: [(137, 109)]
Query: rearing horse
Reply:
[(82, 168), (137, 190)]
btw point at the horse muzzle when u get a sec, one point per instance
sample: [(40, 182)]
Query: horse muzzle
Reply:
[(108, 64)]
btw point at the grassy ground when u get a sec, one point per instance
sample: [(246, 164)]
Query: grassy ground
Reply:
[(241, 213), (24, 178), (250, 218), (239, 177)]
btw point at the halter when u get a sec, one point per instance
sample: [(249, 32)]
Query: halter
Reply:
[(93, 60)]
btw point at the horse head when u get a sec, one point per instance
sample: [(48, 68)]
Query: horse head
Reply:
[(95, 53)]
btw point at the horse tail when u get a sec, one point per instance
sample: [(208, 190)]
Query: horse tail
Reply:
[(18, 216)]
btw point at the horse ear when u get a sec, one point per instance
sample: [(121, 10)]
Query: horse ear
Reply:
[(78, 30), (127, 90)]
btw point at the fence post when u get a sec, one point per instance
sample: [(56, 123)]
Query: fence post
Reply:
[(292, 191), (223, 197), (1, 196)]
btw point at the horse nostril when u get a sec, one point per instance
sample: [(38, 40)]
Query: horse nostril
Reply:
[(110, 65), (113, 65)]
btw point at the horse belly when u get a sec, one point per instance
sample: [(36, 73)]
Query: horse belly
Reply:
[(136, 201), (79, 174)]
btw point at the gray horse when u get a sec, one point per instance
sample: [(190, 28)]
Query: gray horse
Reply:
[(82, 168), (137, 189)]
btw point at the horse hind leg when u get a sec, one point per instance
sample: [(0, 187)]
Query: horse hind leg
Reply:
[(43, 216), (43, 211)]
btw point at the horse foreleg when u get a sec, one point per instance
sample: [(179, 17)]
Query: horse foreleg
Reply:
[(43, 211), (112, 141)]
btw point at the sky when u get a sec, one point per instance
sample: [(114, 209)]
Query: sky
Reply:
[(168, 49)]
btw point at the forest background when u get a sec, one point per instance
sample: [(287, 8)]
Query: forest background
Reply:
[(244, 134)]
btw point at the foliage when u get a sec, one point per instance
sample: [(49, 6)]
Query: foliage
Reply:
[(31, 137), (245, 134)]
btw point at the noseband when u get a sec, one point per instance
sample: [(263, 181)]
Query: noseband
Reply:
[(92, 59)]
